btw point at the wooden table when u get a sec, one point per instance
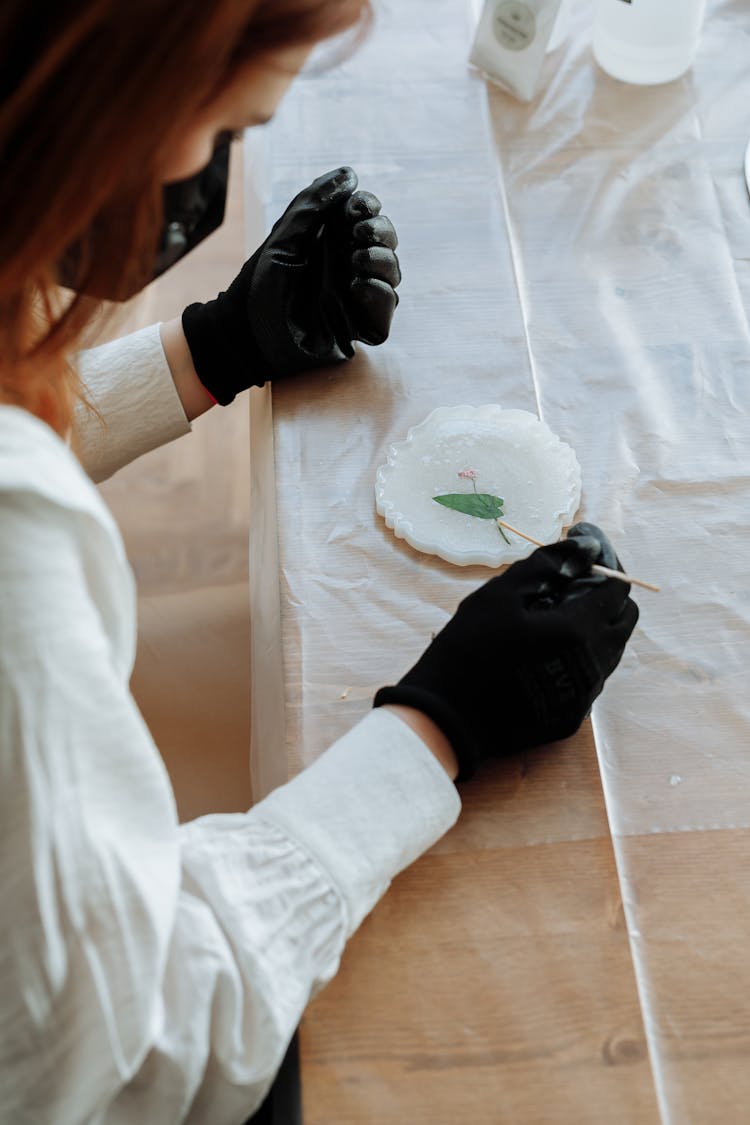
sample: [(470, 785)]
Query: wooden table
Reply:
[(494, 982), (575, 950)]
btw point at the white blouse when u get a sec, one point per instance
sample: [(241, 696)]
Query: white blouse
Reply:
[(152, 972)]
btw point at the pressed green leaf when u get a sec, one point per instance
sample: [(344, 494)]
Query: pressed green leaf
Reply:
[(479, 504)]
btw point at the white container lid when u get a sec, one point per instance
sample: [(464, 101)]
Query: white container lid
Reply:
[(639, 65)]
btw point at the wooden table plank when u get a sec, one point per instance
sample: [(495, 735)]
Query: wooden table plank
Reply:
[(691, 905), (494, 981)]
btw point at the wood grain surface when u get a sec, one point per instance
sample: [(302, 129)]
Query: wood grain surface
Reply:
[(494, 982), (693, 917)]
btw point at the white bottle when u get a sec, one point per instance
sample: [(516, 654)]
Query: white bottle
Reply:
[(647, 41), (511, 40)]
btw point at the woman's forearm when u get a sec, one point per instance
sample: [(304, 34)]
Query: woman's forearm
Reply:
[(194, 397), (431, 735)]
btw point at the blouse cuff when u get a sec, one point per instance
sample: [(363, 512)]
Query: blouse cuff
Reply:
[(130, 385), (366, 809)]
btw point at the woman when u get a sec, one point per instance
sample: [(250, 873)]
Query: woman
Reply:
[(151, 972)]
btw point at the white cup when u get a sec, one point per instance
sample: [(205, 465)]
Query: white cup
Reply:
[(647, 42)]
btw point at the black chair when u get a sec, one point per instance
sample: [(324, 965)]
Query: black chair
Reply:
[(283, 1103)]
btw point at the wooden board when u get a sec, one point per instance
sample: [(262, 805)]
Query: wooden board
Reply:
[(494, 982)]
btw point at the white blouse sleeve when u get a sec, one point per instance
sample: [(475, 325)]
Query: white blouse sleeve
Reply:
[(268, 900), (137, 407), (150, 972)]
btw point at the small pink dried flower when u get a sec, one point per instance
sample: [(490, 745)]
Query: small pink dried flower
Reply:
[(468, 474)]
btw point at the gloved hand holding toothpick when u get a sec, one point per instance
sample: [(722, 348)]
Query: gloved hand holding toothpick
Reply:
[(609, 572)]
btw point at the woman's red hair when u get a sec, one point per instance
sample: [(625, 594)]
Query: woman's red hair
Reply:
[(92, 94)]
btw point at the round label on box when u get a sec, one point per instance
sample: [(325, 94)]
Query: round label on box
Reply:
[(514, 25)]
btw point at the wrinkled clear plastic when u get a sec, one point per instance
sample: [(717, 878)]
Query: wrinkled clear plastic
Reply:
[(586, 257)]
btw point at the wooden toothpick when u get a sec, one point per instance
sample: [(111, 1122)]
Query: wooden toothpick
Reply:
[(605, 570), (531, 539), (608, 573)]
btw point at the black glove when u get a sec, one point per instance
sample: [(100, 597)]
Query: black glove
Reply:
[(325, 276), (525, 655)]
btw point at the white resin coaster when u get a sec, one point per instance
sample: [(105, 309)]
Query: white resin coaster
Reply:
[(485, 450)]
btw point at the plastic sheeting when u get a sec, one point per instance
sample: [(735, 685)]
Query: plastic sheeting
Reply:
[(586, 257)]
